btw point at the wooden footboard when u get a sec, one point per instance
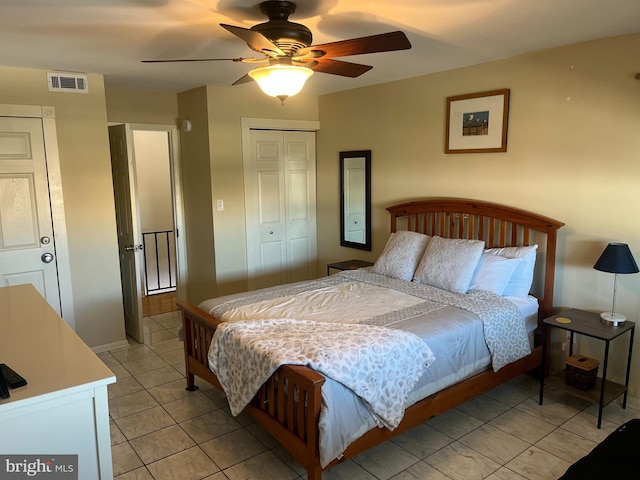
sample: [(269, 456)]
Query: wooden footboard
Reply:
[(287, 405)]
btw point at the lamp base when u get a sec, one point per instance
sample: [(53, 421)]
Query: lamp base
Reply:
[(614, 319)]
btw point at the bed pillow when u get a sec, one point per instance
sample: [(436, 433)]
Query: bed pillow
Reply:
[(493, 273), (449, 263), (401, 255), (520, 282)]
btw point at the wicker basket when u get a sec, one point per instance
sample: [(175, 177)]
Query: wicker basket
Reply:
[(582, 372)]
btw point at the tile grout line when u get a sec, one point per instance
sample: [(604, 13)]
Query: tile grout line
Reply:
[(148, 351)]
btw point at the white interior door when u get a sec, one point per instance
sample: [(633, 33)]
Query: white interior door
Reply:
[(129, 236), (280, 202), (27, 243)]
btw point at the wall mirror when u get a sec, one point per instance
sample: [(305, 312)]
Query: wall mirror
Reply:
[(355, 199)]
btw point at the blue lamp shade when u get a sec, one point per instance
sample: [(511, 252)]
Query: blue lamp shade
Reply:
[(617, 258)]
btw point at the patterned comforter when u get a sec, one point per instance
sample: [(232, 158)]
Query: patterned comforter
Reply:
[(380, 365)]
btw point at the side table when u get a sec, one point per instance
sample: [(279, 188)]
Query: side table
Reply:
[(348, 265), (588, 324)]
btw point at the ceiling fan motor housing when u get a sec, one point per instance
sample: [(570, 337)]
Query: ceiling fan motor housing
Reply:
[(288, 36)]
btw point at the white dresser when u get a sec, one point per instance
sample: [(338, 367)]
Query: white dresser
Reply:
[(64, 407)]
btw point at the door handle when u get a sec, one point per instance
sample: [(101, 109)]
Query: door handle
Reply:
[(47, 258), (134, 248)]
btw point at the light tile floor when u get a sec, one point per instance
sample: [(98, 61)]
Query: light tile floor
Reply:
[(161, 431)]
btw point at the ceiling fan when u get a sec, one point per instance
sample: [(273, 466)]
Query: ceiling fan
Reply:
[(288, 53)]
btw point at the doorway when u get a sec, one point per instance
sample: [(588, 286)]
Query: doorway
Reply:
[(146, 173)]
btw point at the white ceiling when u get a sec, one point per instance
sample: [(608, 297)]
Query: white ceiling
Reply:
[(113, 36)]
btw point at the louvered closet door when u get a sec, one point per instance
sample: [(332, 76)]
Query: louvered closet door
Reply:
[(280, 202)]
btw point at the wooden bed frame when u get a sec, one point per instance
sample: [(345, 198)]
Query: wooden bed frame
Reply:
[(293, 419)]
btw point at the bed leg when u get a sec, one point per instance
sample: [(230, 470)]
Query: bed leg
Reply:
[(314, 473), (191, 382)]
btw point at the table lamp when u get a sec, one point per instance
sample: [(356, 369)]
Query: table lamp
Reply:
[(616, 258)]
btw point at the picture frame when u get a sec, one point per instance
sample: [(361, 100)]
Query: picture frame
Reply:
[(477, 122)]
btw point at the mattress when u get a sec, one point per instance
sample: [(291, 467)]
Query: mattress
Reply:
[(454, 335)]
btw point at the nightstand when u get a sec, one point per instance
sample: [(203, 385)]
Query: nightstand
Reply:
[(348, 265), (588, 324)]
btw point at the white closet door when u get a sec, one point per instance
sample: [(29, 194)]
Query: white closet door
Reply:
[(280, 203)]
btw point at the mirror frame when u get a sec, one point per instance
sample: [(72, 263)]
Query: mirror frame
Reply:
[(366, 154)]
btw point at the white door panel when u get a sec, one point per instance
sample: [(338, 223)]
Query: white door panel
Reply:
[(271, 264), (270, 204), (298, 198), (19, 219), (299, 254), (27, 244)]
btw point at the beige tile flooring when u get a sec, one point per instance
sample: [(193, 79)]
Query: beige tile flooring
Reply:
[(161, 431)]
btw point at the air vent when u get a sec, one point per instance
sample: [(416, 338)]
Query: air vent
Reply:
[(67, 82)]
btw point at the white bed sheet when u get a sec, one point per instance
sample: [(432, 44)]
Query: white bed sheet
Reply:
[(457, 341)]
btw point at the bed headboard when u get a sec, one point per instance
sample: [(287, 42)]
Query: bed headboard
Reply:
[(496, 225)]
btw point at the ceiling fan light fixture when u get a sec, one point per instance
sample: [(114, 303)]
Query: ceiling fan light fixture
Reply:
[(281, 81)]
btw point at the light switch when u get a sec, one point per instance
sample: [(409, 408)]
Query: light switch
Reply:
[(220, 204)]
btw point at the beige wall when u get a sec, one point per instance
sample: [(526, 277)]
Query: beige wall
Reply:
[(195, 159), (219, 110), (227, 107), (573, 154), (137, 106), (81, 123), (153, 180)]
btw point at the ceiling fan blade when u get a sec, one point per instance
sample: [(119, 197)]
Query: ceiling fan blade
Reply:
[(384, 42), (201, 60), (255, 40), (338, 67), (244, 79)]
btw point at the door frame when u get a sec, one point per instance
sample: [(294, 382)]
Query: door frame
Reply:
[(47, 114), (249, 124), (177, 198)]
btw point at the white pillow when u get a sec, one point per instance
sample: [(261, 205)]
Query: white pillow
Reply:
[(449, 263), (401, 255), (520, 282), (493, 273)]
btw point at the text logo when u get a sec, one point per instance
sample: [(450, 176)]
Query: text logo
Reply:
[(43, 467)]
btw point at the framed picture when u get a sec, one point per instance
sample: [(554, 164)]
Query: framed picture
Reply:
[(477, 123)]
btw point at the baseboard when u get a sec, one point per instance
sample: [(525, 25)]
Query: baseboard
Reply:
[(110, 346)]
